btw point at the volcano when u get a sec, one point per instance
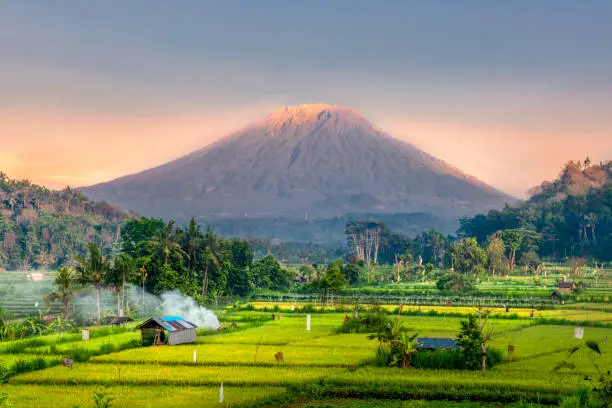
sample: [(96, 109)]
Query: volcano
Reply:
[(316, 161)]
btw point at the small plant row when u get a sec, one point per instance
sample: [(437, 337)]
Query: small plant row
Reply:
[(350, 309)]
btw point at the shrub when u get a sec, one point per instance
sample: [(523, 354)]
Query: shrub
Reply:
[(371, 321), (107, 348), (24, 366), (4, 372), (80, 354), (439, 360), (102, 400), (4, 400)]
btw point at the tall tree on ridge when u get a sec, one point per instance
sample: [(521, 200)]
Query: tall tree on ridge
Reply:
[(64, 281), (165, 245), (122, 270), (92, 270)]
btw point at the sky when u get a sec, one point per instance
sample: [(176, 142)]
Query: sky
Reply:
[(506, 91)]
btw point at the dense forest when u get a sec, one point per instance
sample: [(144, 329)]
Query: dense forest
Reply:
[(163, 256), (568, 217), (42, 228)]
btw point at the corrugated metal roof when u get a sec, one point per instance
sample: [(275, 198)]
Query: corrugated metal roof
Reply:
[(171, 318), (437, 343), (175, 323)]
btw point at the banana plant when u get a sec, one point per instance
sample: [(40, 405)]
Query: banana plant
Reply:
[(602, 383)]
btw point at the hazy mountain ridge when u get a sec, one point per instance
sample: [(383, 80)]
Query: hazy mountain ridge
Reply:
[(317, 160)]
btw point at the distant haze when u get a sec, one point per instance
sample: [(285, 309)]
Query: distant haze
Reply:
[(79, 151)]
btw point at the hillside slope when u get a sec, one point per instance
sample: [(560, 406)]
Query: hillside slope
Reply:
[(42, 228)]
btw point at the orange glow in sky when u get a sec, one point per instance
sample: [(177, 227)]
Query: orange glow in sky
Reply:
[(56, 150)]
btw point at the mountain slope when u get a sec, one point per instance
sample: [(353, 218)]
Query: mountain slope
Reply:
[(322, 160)]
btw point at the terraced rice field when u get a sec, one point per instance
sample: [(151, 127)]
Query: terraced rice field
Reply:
[(321, 368)]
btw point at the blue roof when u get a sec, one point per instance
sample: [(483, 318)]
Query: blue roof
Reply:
[(172, 318), (437, 343)]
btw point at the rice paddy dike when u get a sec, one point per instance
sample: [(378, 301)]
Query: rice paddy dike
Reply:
[(321, 367)]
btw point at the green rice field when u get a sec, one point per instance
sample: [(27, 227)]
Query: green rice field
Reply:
[(321, 367)]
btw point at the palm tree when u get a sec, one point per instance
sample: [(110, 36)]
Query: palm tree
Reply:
[(64, 281), (122, 270), (165, 245), (140, 268), (191, 244), (209, 249), (92, 271), (208, 257)]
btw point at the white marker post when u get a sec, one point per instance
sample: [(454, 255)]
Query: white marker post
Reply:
[(578, 333), (307, 322), (195, 355), (221, 397)]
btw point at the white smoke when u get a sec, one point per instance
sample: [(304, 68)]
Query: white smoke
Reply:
[(175, 303), (139, 304)]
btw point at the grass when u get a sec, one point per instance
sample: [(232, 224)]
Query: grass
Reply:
[(154, 374), (91, 345), (245, 355), (414, 383), (357, 403), (281, 331), (21, 363), (544, 339), (48, 396), (321, 367)]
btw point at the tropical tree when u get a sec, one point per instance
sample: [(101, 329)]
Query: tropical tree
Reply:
[(123, 269), (165, 246), (141, 270), (332, 282), (495, 254), (209, 257), (92, 270), (469, 256), (65, 281), (473, 340), (396, 345), (192, 237)]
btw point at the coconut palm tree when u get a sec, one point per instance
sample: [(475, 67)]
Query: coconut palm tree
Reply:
[(165, 245), (123, 269), (92, 270), (65, 280)]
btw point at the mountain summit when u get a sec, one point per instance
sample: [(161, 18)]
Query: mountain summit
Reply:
[(320, 160)]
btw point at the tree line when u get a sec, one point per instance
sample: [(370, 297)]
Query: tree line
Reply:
[(563, 220), (159, 256)]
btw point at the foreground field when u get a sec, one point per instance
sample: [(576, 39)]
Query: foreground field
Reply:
[(48, 396), (321, 367)]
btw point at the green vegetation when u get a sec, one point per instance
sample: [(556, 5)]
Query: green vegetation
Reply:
[(326, 365), (496, 289), (569, 217), (42, 228)]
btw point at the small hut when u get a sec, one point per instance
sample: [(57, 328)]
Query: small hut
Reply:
[(436, 343), (168, 330), (120, 320), (566, 287)]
